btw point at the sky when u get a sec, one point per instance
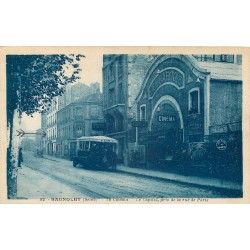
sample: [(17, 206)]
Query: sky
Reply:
[(91, 67)]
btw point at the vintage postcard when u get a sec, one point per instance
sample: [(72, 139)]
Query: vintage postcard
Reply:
[(124, 125)]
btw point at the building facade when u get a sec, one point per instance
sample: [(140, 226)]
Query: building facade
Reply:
[(122, 79), (43, 137), (191, 101), (76, 119), (51, 127), (73, 92)]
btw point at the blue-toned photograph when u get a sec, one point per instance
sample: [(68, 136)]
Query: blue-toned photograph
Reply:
[(115, 127)]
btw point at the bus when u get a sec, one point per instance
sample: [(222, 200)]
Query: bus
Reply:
[(96, 152)]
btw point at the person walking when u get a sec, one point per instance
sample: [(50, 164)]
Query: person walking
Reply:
[(20, 158)]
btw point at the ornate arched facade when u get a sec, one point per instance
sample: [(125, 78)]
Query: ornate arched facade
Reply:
[(174, 97)]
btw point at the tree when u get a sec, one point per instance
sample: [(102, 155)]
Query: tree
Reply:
[(32, 82)]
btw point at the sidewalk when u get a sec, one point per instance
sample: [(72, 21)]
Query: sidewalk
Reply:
[(36, 185), (192, 180)]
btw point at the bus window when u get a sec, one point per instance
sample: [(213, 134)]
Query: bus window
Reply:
[(96, 146), (87, 145)]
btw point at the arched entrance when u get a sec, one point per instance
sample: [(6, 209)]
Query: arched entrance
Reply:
[(110, 120), (163, 105), (165, 130), (115, 129), (119, 122)]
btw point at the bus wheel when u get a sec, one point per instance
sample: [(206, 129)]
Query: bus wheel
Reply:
[(74, 163)]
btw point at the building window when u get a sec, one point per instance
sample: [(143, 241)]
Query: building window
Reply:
[(86, 145), (120, 93), (215, 58), (238, 59), (78, 114), (111, 97), (78, 130), (111, 72), (194, 101), (94, 110), (120, 66), (224, 58), (106, 74), (204, 58), (143, 112)]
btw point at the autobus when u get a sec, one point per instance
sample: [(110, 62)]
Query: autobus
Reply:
[(96, 152)]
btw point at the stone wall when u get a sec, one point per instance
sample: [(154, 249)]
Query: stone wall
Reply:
[(138, 66)]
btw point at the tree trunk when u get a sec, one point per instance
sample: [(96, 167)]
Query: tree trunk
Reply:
[(12, 156)]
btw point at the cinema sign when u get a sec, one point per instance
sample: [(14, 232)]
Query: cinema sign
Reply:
[(166, 118)]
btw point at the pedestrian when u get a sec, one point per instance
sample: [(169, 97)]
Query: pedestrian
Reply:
[(20, 157)]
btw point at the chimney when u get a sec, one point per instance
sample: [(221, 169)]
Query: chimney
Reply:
[(95, 87)]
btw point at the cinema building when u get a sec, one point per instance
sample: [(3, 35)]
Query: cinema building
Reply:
[(190, 101), (156, 105)]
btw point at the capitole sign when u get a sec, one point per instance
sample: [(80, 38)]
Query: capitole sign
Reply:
[(167, 76)]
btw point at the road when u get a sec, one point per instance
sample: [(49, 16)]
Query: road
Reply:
[(51, 177)]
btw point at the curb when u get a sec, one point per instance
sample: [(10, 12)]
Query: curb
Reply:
[(234, 191)]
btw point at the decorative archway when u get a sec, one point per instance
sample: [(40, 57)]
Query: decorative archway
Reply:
[(119, 122), (110, 120), (188, 60), (171, 101)]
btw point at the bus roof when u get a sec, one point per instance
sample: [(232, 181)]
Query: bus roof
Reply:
[(97, 139)]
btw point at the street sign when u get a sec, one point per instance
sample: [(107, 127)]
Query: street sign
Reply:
[(98, 126), (221, 144), (139, 124)]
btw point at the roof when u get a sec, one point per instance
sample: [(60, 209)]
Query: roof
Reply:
[(97, 97), (92, 98), (97, 138), (223, 71)]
